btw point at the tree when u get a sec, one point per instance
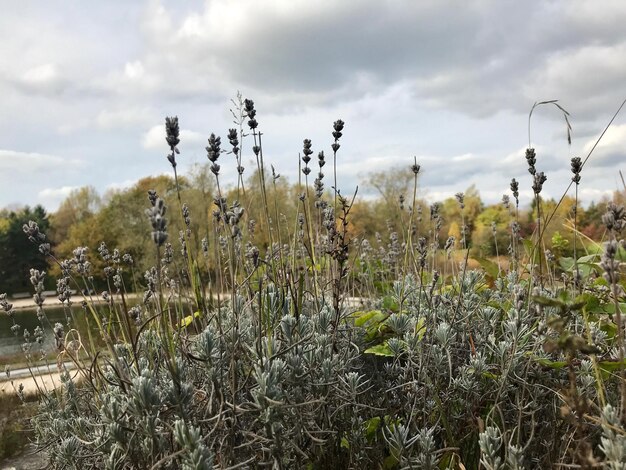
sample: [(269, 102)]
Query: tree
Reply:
[(392, 209), (121, 223), (17, 254), (487, 243), (451, 213), (78, 205)]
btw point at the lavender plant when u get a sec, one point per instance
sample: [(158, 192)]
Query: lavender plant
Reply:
[(257, 356)]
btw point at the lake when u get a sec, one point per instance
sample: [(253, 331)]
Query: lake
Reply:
[(11, 345)]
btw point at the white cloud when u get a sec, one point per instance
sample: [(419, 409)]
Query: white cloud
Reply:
[(44, 79), (154, 138), (134, 70), (57, 192), (14, 163), (610, 151), (41, 75), (599, 76), (592, 194), (124, 117)]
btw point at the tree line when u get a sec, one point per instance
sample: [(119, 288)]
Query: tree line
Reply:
[(117, 219)]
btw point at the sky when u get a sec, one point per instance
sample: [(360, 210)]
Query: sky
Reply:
[(85, 88)]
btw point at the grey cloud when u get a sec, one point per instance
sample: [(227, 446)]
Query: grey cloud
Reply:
[(476, 60)]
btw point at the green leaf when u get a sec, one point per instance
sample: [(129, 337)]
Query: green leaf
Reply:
[(188, 320), (551, 364), (609, 328), (371, 428), (380, 350), (549, 301), (594, 258), (390, 462), (563, 302), (363, 318), (612, 366), (390, 304), (591, 302), (566, 263), (490, 375), (491, 268), (344, 443), (420, 328), (610, 308)]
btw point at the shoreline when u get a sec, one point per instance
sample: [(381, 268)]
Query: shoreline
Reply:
[(53, 301)]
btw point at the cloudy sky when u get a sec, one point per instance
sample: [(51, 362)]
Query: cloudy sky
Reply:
[(85, 87)]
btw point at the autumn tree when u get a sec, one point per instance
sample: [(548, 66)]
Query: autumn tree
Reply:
[(79, 205)]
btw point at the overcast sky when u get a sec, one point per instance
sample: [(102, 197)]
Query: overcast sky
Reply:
[(85, 87)]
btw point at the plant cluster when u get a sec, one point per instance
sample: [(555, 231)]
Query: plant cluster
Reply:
[(247, 356)]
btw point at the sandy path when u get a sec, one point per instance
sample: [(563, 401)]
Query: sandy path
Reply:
[(53, 301), (46, 382)]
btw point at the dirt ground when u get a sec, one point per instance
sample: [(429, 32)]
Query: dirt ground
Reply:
[(29, 460)]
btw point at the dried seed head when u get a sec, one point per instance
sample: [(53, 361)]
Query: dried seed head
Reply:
[(213, 149), (233, 140), (609, 263), (186, 217), (172, 131), (152, 196), (306, 152), (321, 159), (531, 160), (275, 175), (307, 148), (156, 214), (338, 127), (31, 229), (415, 168), (319, 185), (538, 180), (515, 190), (250, 113), (449, 243), (615, 217), (460, 197), (434, 211), (422, 249), (577, 166)]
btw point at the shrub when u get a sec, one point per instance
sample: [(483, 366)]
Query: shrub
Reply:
[(270, 362)]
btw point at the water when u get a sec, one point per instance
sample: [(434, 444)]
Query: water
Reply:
[(11, 345)]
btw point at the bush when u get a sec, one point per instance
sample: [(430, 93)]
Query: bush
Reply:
[(272, 363)]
